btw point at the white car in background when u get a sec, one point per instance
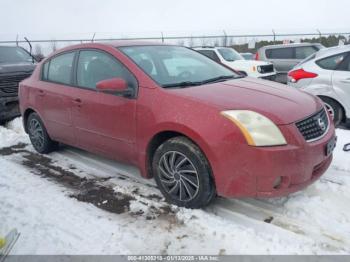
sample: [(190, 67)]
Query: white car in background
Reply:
[(232, 59), (326, 74)]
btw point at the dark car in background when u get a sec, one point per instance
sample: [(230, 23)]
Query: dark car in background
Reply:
[(16, 64), (285, 56)]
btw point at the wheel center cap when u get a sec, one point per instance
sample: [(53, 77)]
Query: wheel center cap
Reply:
[(177, 176)]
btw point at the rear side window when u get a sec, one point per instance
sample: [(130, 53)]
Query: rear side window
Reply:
[(280, 53), (59, 69), (304, 51), (211, 54), (332, 62), (95, 66)]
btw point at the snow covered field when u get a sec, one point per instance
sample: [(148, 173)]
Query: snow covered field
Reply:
[(72, 202)]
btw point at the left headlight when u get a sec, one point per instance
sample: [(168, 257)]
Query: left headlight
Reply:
[(257, 129)]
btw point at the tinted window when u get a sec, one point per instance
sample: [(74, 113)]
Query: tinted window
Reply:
[(95, 66), (332, 62), (304, 51), (211, 54), (280, 53), (9, 54), (60, 68)]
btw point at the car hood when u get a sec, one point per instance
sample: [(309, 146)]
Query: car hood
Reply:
[(23, 67), (280, 103)]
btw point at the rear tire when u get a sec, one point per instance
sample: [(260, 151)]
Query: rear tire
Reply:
[(38, 135), (183, 174), (334, 109)]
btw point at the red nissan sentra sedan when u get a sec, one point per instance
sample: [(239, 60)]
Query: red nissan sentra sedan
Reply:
[(197, 127)]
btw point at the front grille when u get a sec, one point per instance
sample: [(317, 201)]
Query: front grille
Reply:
[(9, 84), (314, 127), (266, 69), (271, 77)]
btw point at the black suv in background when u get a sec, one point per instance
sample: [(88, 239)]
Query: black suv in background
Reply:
[(16, 64)]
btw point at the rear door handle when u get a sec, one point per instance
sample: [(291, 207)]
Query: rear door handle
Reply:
[(41, 93), (77, 101)]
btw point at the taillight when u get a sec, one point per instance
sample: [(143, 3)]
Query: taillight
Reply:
[(257, 56), (298, 74)]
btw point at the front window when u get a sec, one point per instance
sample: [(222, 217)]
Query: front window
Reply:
[(173, 66), (229, 54), (10, 54)]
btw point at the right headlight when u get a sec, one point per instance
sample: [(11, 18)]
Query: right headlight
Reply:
[(257, 129)]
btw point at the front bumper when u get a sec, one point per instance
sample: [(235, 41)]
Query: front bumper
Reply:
[(253, 171), (9, 108)]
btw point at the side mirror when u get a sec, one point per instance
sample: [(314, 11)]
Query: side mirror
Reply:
[(114, 86)]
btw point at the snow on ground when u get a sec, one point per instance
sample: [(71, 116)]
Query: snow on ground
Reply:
[(45, 199)]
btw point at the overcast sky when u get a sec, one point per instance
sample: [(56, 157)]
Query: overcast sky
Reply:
[(76, 18)]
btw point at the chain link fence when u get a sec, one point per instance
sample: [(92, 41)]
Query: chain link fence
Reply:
[(241, 42)]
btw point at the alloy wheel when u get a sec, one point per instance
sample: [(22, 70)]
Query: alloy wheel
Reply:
[(36, 133), (178, 176), (330, 110)]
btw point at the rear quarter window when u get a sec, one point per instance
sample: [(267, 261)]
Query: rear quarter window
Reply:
[(332, 62), (303, 52), (59, 68)]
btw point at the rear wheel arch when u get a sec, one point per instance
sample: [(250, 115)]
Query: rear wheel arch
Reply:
[(26, 114)]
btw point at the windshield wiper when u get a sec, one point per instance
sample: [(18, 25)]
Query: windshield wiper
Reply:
[(219, 79), (183, 84), (207, 81)]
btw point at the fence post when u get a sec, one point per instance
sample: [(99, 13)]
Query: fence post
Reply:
[(319, 34), (17, 40), (225, 38), (274, 36), (162, 37)]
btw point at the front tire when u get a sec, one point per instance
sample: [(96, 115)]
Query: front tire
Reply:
[(334, 109), (183, 174), (38, 135)]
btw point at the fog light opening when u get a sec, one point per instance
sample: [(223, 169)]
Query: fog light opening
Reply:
[(277, 182)]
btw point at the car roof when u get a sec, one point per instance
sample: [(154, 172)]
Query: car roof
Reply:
[(119, 43), (290, 45), (332, 51)]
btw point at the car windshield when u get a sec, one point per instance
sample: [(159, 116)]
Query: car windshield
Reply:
[(9, 54), (229, 54), (176, 66)]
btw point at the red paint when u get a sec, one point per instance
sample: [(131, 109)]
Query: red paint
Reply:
[(112, 85), (122, 128)]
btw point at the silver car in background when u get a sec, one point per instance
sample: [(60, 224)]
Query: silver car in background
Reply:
[(284, 57), (327, 74)]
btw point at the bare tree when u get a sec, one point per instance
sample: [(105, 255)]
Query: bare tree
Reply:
[(181, 42), (38, 53), (216, 42), (53, 45), (38, 49)]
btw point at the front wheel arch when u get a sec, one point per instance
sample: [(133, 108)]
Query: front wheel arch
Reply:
[(160, 138)]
